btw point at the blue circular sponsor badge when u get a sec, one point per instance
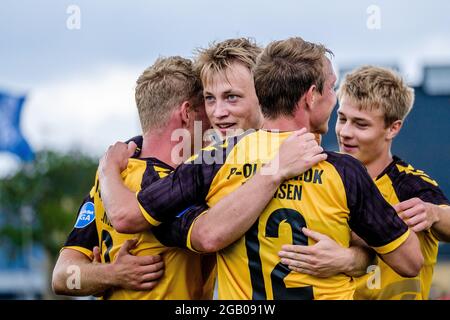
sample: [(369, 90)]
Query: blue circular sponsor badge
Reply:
[(86, 215)]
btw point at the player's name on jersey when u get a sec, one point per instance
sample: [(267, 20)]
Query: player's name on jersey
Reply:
[(313, 176), (289, 191), (250, 169)]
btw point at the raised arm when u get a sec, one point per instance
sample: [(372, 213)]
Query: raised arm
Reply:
[(234, 214), (188, 185), (120, 202), (75, 274)]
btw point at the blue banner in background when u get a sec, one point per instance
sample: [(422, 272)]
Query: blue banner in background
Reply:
[(11, 138)]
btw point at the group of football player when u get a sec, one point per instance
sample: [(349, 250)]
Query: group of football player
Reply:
[(261, 209)]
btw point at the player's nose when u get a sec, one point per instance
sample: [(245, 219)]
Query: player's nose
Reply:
[(345, 130), (221, 110)]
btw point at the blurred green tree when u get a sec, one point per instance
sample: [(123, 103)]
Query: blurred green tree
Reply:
[(42, 199)]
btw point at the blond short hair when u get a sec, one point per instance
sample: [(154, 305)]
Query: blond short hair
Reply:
[(220, 56), (163, 87), (373, 87), (285, 71)]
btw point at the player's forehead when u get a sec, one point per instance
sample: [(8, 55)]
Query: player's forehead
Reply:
[(330, 74), (351, 108), (236, 77)]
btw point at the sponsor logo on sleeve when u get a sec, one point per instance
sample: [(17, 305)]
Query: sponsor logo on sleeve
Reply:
[(86, 215)]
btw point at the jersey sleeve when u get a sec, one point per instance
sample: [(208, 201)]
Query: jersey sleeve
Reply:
[(419, 186), (84, 236), (371, 217), (188, 185), (177, 232)]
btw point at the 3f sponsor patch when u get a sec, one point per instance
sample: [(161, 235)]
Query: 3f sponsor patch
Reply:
[(86, 215)]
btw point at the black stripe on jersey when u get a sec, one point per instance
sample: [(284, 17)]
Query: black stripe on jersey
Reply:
[(174, 233), (254, 263), (407, 185), (86, 237), (371, 217), (188, 185), (150, 174)]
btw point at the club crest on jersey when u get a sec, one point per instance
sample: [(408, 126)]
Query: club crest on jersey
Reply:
[(85, 216)]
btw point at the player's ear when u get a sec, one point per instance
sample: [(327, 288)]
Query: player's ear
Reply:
[(394, 129), (310, 96), (185, 111)]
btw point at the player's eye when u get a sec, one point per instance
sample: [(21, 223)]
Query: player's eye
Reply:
[(362, 125), (341, 119), (232, 97), (209, 99)]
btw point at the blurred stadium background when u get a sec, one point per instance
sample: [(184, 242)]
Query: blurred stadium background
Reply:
[(78, 89)]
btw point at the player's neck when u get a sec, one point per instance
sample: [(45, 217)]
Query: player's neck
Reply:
[(378, 165), (158, 144), (285, 124)]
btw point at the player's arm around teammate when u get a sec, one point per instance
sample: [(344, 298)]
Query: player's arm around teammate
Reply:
[(226, 222), (76, 274), (302, 152)]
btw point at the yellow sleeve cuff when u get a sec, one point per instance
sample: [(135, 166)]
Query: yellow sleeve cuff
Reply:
[(392, 245), (188, 239), (147, 215), (84, 251)]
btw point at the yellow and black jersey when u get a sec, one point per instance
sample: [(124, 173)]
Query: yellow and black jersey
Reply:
[(397, 183), (187, 275), (333, 197)]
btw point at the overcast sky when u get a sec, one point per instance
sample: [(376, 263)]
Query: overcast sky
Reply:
[(79, 82)]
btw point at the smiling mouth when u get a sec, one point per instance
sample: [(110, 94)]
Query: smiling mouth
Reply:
[(224, 126), (348, 146)]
